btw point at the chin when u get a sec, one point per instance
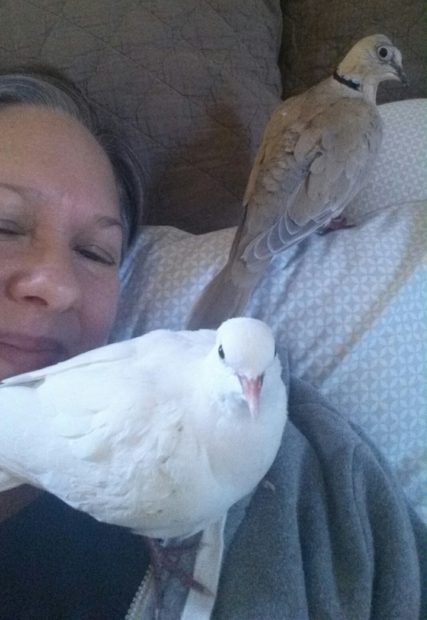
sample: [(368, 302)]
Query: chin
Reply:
[(11, 368), (7, 370)]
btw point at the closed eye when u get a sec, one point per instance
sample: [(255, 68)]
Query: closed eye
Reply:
[(98, 255), (9, 228)]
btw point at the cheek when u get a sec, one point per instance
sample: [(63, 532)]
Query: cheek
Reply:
[(98, 313)]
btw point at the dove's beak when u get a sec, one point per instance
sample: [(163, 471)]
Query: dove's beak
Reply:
[(400, 74), (252, 391)]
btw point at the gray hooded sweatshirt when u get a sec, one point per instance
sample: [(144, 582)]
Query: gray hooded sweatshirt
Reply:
[(328, 535)]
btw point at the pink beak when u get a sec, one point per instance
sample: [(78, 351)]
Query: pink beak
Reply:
[(252, 391)]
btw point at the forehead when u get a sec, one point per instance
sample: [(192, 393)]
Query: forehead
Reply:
[(53, 153)]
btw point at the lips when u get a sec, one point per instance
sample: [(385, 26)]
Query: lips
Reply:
[(21, 353)]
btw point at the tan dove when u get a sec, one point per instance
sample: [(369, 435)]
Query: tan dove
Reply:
[(316, 152)]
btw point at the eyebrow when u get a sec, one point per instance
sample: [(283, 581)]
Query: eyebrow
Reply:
[(107, 221), (15, 189), (21, 190)]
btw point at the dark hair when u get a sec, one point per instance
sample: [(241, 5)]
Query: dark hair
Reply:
[(48, 88)]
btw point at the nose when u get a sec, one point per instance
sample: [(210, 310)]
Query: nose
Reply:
[(47, 279)]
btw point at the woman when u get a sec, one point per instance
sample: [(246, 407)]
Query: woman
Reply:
[(330, 536), (69, 206)]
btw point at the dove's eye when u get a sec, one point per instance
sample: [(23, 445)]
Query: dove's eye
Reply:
[(221, 352), (383, 53)]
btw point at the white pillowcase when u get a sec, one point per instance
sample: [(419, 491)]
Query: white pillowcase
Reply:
[(350, 306)]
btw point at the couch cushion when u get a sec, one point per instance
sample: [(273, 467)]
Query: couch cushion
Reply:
[(192, 83)]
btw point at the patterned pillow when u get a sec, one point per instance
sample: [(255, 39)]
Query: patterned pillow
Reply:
[(349, 307)]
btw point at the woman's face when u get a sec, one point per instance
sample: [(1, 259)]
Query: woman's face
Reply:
[(60, 239)]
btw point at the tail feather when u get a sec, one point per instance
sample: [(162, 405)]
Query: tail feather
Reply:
[(223, 298), (228, 293), (8, 482), (19, 426)]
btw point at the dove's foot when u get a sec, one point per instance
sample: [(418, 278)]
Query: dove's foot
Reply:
[(168, 559), (337, 223)]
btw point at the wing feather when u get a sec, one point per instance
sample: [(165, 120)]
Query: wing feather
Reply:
[(312, 163)]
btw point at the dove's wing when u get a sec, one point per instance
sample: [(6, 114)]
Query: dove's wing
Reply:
[(314, 158), (281, 119), (70, 428), (108, 353), (66, 407), (155, 344), (7, 481)]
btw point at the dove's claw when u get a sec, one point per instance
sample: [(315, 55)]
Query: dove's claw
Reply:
[(338, 223), (168, 559)]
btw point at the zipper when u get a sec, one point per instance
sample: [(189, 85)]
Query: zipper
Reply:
[(206, 570), (140, 599)]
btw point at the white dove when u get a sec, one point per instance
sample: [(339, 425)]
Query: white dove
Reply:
[(316, 152), (160, 434)]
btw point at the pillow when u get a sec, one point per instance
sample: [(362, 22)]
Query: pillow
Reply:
[(349, 307), (191, 82)]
